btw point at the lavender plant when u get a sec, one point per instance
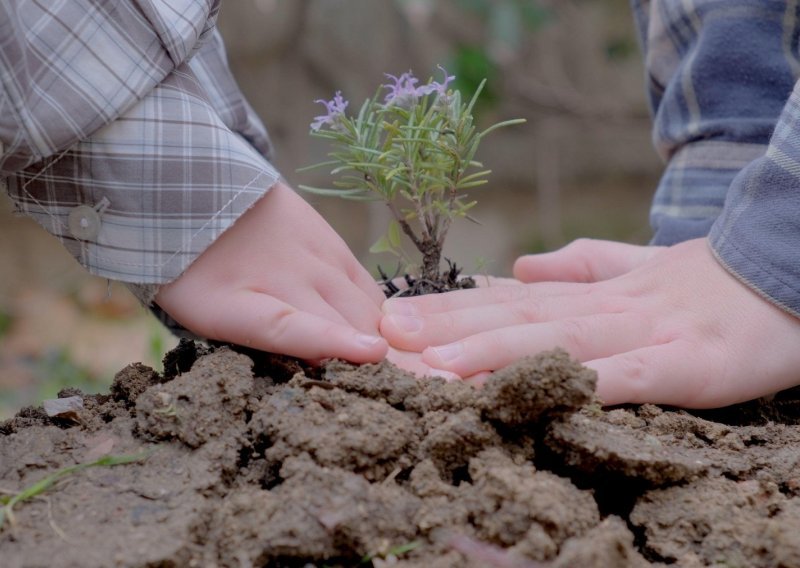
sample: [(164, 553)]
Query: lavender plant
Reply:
[(415, 150)]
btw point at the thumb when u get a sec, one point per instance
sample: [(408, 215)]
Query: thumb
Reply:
[(583, 260)]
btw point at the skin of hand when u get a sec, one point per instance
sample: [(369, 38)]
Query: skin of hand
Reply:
[(281, 280), (661, 325)]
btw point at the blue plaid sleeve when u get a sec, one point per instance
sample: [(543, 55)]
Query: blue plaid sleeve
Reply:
[(719, 72)]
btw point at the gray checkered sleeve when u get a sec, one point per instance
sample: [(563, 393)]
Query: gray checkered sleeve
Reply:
[(123, 133)]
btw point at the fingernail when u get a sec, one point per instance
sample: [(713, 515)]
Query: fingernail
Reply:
[(449, 352), (408, 324), (400, 307), (368, 340)]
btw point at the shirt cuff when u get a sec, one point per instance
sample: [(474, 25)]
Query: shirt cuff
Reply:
[(692, 191), (148, 193), (757, 236)]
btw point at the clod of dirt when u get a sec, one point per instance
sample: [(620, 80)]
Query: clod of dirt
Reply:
[(599, 448), (336, 428), (450, 440), (26, 418), (533, 512), (181, 359), (608, 544), (207, 402), (132, 381), (383, 381), (549, 384), (316, 513)]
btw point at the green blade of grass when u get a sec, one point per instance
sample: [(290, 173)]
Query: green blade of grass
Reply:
[(47, 482)]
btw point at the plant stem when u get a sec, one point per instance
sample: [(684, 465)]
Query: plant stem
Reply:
[(404, 225)]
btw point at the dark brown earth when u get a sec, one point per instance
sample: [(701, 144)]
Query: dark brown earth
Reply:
[(262, 462)]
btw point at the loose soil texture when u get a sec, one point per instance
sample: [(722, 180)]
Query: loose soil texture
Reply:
[(257, 460)]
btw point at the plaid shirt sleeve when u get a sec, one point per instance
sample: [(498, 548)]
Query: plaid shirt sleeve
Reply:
[(718, 75), (123, 133), (721, 77)]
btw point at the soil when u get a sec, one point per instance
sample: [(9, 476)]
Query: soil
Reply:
[(257, 460)]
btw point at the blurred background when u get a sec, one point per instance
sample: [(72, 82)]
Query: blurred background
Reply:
[(582, 166)]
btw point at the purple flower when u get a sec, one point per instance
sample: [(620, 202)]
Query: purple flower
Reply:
[(404, 92), (335, 110), (439, 88)]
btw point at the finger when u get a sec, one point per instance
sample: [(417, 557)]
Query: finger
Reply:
[(415, 333), (266, 323), (583, 260), (460, 299), (352, 303), (585, 338), (674, 373), (412, 362)]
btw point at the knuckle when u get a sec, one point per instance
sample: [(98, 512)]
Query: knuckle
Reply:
[(633, 371), (610, 304), (514, 293), (580, 247), (497, 352), (277, 325), (525, 312), (576, 334)]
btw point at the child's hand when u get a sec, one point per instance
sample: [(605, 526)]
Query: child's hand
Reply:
[(662, 325), (281, 280)]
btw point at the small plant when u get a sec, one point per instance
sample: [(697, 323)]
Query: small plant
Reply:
[(414, 150)]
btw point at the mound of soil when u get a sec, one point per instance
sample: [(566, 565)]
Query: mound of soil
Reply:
[(255, 460)]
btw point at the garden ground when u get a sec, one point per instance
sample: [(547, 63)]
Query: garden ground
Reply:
[(255, 460)]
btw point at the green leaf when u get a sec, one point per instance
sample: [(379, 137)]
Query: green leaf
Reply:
[(390, 242), (394, 234), (471, 177), (502, 125), (329, 191), (475, 183), (319, 165)]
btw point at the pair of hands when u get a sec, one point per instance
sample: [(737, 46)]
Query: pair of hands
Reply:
[(663, 325)]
